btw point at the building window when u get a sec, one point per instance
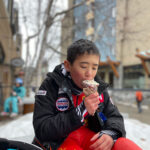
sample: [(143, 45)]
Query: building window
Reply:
[(102, 75), (5, 77), (111, 79), (134, 77), (2, 54)]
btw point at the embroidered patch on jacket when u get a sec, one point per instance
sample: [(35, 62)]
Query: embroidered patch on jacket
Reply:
[(62, 103), (41, 92), (60, 91), (83, 97)]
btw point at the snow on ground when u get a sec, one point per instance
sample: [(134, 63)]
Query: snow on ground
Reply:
[(138, 132), (19, 129), (22, 129)]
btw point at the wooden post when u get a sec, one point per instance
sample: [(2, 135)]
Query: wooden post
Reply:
[(113, 67)]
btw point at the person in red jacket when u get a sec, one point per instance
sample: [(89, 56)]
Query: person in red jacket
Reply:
[(65, 118), (139, 99)]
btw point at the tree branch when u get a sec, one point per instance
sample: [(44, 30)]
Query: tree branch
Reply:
[(55, 50), (65, 11)]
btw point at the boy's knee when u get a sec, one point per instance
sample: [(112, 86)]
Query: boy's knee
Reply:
[(125, 144), (69, 144)]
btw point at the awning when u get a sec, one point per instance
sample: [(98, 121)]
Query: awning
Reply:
[(144, 56), (112, 64)]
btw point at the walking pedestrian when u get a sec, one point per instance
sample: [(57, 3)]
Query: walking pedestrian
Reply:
[(139, 99)]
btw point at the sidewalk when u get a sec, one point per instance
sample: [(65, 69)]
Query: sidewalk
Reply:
[(132, 112), (7, 119)]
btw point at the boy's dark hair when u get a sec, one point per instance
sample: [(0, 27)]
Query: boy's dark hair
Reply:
[(81, 47)]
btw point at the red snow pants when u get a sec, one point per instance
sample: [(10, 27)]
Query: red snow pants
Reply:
[(80, 140)]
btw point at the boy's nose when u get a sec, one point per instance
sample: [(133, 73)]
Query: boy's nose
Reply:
[(88, 74)]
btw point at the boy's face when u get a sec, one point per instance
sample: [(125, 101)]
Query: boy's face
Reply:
[(84, 68), (17, 84)]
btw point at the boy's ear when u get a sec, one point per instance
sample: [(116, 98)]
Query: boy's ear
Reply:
[(67, 65)]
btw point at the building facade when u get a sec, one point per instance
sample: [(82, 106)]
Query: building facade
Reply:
[(132, 32), (96, 21), (119, 28), (10, 46)]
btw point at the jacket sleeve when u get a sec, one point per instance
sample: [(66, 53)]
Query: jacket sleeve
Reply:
[(23, 92), (50, 124), (115, 121)]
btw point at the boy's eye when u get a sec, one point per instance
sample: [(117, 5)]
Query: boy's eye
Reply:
[(94, 68), (83, 67)]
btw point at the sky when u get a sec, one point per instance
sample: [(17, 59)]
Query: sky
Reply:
[(22, 130)]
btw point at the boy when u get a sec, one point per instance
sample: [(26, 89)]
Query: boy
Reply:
[(64, 117), (16, 96)]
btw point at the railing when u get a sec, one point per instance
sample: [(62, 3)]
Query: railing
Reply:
[(128, 95)]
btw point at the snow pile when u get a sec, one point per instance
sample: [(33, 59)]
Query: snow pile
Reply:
[(138, 132), (22, 129)]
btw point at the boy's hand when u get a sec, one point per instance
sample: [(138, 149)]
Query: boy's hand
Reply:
[(91, 103), (105, 142), (14, 93), (19, 99)]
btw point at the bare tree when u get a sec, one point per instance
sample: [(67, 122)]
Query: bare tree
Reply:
[(47, 17)]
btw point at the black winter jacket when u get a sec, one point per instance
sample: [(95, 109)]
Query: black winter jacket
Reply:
[(53, 122)]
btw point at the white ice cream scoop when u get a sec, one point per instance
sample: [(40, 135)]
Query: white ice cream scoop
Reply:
[(89, 86)]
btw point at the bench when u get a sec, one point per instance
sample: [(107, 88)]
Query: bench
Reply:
[(27, 105)]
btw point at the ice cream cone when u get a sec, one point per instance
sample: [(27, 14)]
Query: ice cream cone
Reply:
[(89, 87)]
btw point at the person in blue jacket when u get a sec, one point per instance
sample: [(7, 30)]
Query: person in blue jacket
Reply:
[(16, 96)]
